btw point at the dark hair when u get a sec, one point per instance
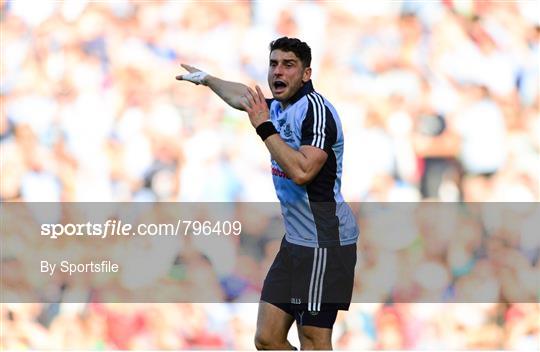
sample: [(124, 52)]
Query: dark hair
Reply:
[(298, 47)]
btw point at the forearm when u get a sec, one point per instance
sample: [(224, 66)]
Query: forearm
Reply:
[(300, 165), (230, 92), (293, 162)]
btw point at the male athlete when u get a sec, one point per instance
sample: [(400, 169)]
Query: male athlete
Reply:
[(312, 275)]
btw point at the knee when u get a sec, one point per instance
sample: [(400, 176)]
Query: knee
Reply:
[(271, 342), (307, 345), (263, 342), (314, 346), (316, 342), (311, 345)]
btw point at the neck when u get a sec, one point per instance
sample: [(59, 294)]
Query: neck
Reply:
[(294, 98)]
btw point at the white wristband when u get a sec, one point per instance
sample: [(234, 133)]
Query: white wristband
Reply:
[(195, 77)]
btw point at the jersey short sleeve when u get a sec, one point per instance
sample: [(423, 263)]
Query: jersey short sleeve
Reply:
[(318, 127)]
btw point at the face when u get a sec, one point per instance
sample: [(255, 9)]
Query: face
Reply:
[(286, 74)]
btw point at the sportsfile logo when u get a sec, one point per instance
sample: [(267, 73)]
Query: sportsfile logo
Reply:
[(119, 228), (100, 230)]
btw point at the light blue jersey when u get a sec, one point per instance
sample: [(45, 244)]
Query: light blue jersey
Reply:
[(315, 214)]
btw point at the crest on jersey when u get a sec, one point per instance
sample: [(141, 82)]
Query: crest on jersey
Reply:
[(287, 132)]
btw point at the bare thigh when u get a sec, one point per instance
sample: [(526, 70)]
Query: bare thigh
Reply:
[(271, 320), (273, 326), (314, 338)]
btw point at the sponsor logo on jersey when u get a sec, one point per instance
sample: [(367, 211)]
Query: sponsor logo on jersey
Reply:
[(277, 172)]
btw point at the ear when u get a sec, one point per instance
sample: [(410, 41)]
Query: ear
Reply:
[(307, 74)]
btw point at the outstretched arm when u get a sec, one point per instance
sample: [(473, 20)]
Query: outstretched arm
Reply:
[(230, 92)]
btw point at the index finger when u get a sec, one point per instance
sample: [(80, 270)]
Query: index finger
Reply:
[(246, 106), (252, 94), (260, 94), (189, 68)]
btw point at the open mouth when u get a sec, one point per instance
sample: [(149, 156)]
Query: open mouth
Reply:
[(279, 86)]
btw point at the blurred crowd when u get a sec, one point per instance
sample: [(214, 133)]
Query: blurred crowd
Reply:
[(439, 101), (152, 326)]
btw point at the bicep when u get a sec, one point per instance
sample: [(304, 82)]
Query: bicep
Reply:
[(314, 159)]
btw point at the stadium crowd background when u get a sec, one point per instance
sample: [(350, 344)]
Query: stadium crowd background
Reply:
[(439, 101)]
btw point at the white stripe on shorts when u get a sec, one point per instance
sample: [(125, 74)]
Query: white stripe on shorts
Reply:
[(317, 276), (322, 278)]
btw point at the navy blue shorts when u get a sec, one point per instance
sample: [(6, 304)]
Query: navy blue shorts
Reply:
[(323, 319), (315, 281)]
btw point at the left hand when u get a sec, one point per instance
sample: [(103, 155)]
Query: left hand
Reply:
[(195, 75), (255, 105)]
